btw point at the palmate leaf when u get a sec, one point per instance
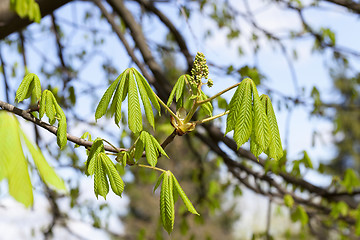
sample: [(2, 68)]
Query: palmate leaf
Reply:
[(275, 149), (101, 185), (183, 196), (152, 148), (128, 84), (30, 85), (167, 211), (117, 184)]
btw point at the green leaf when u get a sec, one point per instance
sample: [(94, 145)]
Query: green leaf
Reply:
[(158, 146), (288, 200), (300, 215), (167, 211), (105, 99), (29, 85), (150, 150), (42, 104), (183, 196), (148, 89), (339, 209), (261, 122), (178, 90), (117, 184), (139, 149), (147, 105), (101, 185), (120, 96), (134, 116), (85, 136), (159, 181), (49, 107), (13, 165), (234, 107), (275, 149), (243, 123), (47, 173), (351, 180), (207, 107), (96, 148), (61, 133)]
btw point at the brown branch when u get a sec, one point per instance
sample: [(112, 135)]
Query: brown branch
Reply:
[(350, 5)]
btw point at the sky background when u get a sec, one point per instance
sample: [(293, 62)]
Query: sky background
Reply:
[(310, 71)]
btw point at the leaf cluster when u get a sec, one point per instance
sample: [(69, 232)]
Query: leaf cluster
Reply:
[(253, 117), (170, 187), (104, 171), (129, 83), (14, 164), (152, 148), (26, 8), (30, 86)]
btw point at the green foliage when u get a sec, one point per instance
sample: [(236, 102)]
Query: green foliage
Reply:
[(288, 201), (300, 215), (14, 166), (152, 148), (183, 196), (251, 116), (274, 149), (26, 8), (46, 172), (30, 85), (50, 107), (178, 91), (351, 180), (128, 83), (339, 209), (103, 169), (170, 187), (167, 211)]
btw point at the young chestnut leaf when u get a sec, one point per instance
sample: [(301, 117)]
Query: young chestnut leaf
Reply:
[(116, 183), (275, 149), (50, 107), (178, 90), (130, 83), (167, 211), (30, 85), (183, 196), (152, 148)]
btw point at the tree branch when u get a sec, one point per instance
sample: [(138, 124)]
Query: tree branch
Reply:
[(27, 116)]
